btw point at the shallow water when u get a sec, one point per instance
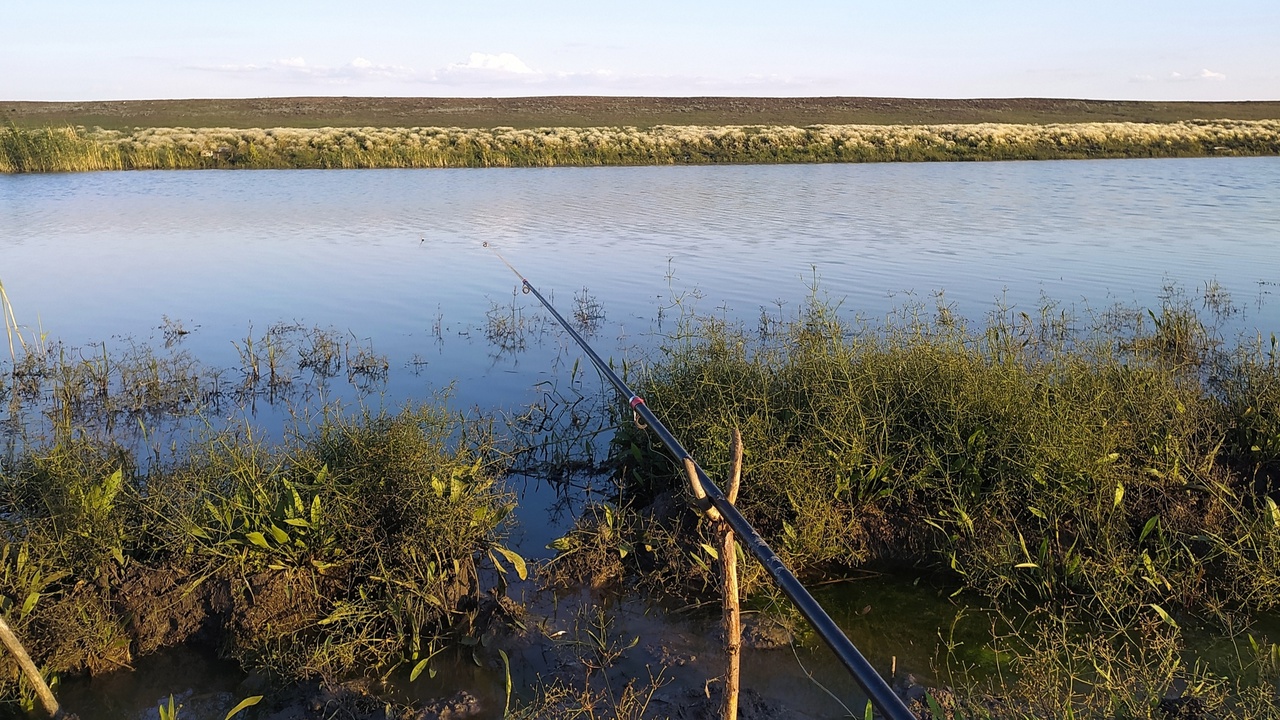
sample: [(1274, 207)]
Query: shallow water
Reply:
[(393, 259), (390, 254)]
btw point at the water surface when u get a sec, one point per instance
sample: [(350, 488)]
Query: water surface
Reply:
[(394, 259)]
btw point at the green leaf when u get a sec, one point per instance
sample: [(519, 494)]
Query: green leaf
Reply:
[(506, 671), (30, 603), (1037, 512), (297, 522), (935, 710), (1027, 565), (315, 510), (522, 570), (561, 544), (710, 550), (1119, 494), (245, 703), (258, 539), (1275, 512), (1152, 524), (279, 535), (417, 669), (110, 487), (1164, 615)]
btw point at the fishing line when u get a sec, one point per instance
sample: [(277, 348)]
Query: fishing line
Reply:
[(712, 498)]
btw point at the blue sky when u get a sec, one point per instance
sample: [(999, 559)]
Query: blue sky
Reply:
[(137, 49)]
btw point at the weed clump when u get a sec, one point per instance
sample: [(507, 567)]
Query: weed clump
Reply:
[(353, 548), (1118, 464)]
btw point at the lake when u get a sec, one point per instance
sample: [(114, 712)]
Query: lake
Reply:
[(393, 259)]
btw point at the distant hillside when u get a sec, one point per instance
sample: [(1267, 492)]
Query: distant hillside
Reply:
[(641, 112)]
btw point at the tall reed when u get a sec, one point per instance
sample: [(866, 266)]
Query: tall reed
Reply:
[(81, 149)]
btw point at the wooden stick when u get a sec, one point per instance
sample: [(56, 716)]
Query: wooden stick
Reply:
[(729, 575), (29, 669)]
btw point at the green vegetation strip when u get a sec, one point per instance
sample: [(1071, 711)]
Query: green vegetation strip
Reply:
[(1109, 474), (79, 149), (352, 549)]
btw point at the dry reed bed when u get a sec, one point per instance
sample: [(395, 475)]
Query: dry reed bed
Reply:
[(80, 149)]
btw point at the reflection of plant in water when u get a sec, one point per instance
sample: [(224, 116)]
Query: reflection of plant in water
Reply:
[(321, 353), (506, 326), (588, 313), (365, 365)]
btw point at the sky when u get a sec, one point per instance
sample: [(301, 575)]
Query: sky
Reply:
[(1115, 49)]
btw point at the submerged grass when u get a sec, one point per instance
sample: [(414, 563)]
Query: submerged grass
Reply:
[(78, 149)]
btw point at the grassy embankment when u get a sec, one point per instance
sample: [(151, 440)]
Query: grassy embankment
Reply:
[(77, 149), (353, 547), (1100, 481)]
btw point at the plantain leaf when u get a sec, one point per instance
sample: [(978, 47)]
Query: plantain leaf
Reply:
[(245, 703), (522, 570), (279, 535)]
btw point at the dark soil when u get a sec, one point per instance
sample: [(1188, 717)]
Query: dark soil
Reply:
[(164, 608), (642, 112)]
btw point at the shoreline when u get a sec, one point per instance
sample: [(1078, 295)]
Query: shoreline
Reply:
[(80, 149)]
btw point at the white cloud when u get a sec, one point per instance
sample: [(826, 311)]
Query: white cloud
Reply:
[(502, 62), (499, 74), (1175, 76)]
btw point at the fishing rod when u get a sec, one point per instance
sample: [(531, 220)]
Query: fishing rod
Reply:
[(875, 686)]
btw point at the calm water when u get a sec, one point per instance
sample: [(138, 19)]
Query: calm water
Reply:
[(388, 255), (394, 258)]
